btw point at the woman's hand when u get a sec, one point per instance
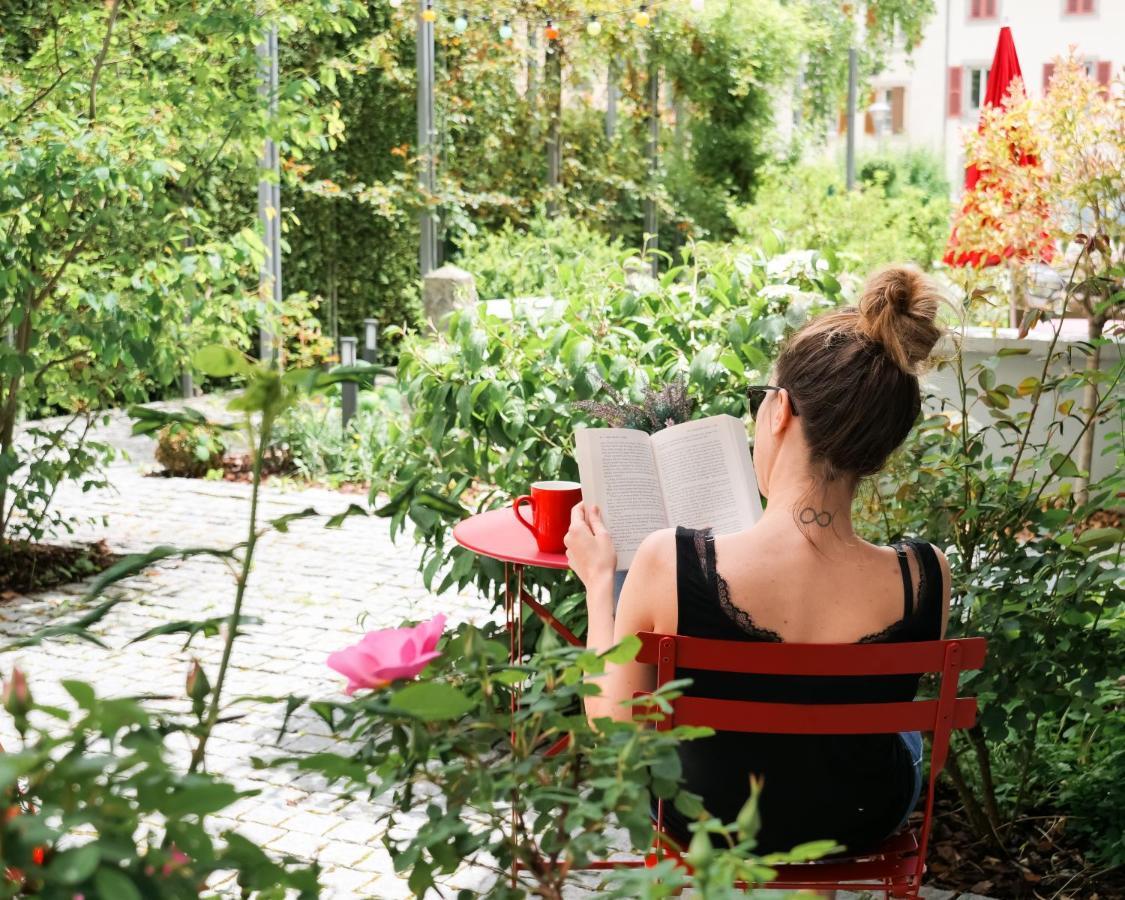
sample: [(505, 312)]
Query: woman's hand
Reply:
[(589, 548)]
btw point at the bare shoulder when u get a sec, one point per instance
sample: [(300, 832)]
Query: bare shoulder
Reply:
[(657, 551), (648, 597)]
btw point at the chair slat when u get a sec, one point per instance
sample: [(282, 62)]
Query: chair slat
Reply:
[(756, 658), (798, 718)]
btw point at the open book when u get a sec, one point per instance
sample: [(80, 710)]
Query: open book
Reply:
[(698, 474)]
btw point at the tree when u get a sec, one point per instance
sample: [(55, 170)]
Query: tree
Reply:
[(129, 138)]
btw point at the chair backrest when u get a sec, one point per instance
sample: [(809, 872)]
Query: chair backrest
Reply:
[(940, 716)]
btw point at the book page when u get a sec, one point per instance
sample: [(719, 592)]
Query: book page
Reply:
[(707, 475), (618, 474)]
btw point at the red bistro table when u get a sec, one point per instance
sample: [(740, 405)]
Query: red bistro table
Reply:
[(498, 534)]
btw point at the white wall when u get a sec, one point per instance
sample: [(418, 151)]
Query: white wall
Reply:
[(1041, 31)]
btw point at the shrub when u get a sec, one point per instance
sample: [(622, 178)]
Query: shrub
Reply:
[(556, 256), (492, 402), (895, 217), (189, 451)]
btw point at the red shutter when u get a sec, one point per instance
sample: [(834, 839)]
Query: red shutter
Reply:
[(1087, 6), (898, 110), (1105, 75), (990, 9), (1048, 74), (954, 99), (974, 9)]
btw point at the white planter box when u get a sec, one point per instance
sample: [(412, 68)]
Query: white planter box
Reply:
[(978, 344)]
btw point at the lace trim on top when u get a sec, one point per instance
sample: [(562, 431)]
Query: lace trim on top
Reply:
[(704, 540)]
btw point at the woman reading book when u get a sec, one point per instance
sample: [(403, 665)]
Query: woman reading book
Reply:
[(843, 397)]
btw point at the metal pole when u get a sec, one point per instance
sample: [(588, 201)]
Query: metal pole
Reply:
[(553, 83), (651, 222), (611, 101), (348, 389), (427, 251), (853, 77), (269, 204), (370, 339)]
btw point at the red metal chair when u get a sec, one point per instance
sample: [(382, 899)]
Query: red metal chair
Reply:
[(895, 868)]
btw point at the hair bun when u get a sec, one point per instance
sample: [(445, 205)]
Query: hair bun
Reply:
[(898, 310)]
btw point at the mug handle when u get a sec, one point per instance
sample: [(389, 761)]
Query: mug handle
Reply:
[(519, 501)]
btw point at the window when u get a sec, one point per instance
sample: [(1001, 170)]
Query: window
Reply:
[(978, 87), (984, 9), (1080, 7)]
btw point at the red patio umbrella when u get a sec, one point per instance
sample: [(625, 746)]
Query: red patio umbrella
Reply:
[(1005, 67)]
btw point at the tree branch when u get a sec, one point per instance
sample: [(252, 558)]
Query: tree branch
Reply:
[(100, 61)]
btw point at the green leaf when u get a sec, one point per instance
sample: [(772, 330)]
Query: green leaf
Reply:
[(432, 701), (624, 652), (220, 362), (1063, 466), (1100, 538), (115, 884), (82, 693), (198, 796), (75, 865), (1013, 351)]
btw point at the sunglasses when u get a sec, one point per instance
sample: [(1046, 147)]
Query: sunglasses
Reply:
[(756, 393)]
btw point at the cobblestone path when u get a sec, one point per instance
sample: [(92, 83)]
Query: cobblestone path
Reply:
[(314, 590)]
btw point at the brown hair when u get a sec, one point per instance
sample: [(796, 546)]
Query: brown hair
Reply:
[(853, 372)]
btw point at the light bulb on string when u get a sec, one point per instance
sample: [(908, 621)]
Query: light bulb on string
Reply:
[(642, 19), (428, 14), (593, 27), (461, 24), (551, 32), (506, 31), (395, 4)]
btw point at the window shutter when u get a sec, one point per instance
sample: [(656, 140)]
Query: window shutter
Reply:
[(974, 9), (954, 99), (1087, 6), (1072, 6), (898, 110), (1105, 73), (990, 9), (1048, 74)]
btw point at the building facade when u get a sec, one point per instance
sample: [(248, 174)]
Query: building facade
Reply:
[(924, 100)]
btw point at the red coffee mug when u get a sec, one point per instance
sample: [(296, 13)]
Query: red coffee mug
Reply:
[(551, 503)]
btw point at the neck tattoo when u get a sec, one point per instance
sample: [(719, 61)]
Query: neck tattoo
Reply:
[(810, 516)]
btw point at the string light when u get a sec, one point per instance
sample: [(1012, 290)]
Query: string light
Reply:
[(551, 31), (593, 27), (395, 4), (460, 24), (506, 31), (428, 14), (642, 18)]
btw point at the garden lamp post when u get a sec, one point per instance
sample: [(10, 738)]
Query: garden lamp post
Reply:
[(853, 79), (269, 204), (427, 250), (370, 339), (348, 390)]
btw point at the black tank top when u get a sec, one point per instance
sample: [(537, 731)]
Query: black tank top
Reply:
[(853, 789)]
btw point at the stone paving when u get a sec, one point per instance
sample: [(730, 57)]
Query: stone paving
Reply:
[(314, 590)]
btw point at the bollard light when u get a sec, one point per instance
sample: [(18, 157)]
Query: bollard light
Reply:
[(348, 389), (370, 339), (347, 351)]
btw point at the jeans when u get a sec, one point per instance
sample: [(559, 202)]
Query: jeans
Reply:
[(913, 742), (618, 583)]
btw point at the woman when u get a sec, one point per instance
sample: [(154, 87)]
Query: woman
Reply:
[(845, 395)]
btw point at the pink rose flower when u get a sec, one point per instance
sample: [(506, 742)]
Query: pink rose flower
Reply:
[(388, 655)]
